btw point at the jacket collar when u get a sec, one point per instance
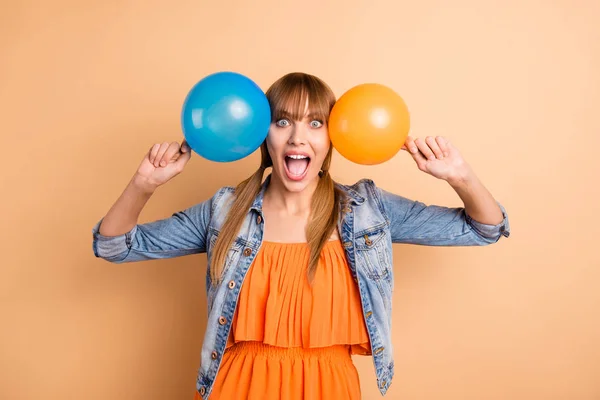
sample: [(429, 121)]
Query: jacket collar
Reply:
[(353, 196)]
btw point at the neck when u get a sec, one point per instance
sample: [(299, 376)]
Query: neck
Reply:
[(281, 199)]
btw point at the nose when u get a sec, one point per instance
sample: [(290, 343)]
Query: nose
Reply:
[(297, 135)]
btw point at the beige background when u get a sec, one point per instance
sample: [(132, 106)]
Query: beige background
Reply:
[(87, 87)]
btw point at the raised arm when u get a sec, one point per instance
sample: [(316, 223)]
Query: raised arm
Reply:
[(118, 237), (481, 221)]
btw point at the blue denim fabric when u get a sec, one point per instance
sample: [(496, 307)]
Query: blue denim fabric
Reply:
[(370, 220)]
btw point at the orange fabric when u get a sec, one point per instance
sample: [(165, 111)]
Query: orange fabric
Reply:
[(290, 340)]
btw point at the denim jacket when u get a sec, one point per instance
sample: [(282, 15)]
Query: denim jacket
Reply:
[(370, 220)]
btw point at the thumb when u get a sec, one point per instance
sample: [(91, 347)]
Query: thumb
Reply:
[(185, 147), (183, 158)]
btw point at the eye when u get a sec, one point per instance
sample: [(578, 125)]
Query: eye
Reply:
[(316, 124), (282, 122)]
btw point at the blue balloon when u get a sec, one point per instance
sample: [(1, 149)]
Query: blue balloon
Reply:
[(225, 117)]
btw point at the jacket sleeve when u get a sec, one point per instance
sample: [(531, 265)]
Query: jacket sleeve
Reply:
[(183, 233), (417, 223)]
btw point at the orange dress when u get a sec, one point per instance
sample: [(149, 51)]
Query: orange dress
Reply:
[(290, 340)]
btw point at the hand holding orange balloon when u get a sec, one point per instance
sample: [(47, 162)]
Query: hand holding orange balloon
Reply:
[(369, 124)]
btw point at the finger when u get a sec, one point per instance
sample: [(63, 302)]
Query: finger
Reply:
[(443, 143), (420, 160), (410, 145), (161, 153), (435, 148), (185, 147), (153, 152), (171, 154), (182, 160), (424, 149)]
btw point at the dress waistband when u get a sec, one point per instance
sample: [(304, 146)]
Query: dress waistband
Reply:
[(255, 348)]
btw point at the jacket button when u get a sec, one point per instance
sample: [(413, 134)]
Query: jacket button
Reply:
[(247, 251), (348, 244), (258, 219), (231, 284), (347, 210), (368, 241), (202, 391), (214, 355), (222, 320), (383, 384)]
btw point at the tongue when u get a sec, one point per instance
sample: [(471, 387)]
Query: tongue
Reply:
[(297, 167)]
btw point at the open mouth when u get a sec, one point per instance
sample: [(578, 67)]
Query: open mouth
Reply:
[(296, 166)]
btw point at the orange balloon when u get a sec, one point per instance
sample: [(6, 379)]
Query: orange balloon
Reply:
[(369, 124)]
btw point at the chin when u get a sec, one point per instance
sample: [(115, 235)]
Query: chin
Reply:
[(295, 185)]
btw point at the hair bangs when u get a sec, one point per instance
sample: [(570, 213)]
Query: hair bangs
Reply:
[(296, 96)]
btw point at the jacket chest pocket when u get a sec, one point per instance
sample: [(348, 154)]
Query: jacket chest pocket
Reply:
[(373, 252), (233, 255), (231, 260)]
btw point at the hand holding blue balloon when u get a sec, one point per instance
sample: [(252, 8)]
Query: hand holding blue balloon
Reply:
[(225, 117)]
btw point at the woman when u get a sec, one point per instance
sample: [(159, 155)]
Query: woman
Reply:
[(300, 272)]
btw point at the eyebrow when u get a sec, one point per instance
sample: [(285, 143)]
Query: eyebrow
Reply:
[(285, 114), (282, 114)]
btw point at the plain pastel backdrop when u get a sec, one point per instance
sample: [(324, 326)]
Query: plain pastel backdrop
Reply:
[(87, 87)]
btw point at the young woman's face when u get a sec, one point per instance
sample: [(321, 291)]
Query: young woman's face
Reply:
[(298, 149)]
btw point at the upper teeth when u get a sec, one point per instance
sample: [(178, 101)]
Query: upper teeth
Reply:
[(297, 156)]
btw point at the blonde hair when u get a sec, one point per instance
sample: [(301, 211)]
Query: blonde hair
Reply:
[(288, 96)]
